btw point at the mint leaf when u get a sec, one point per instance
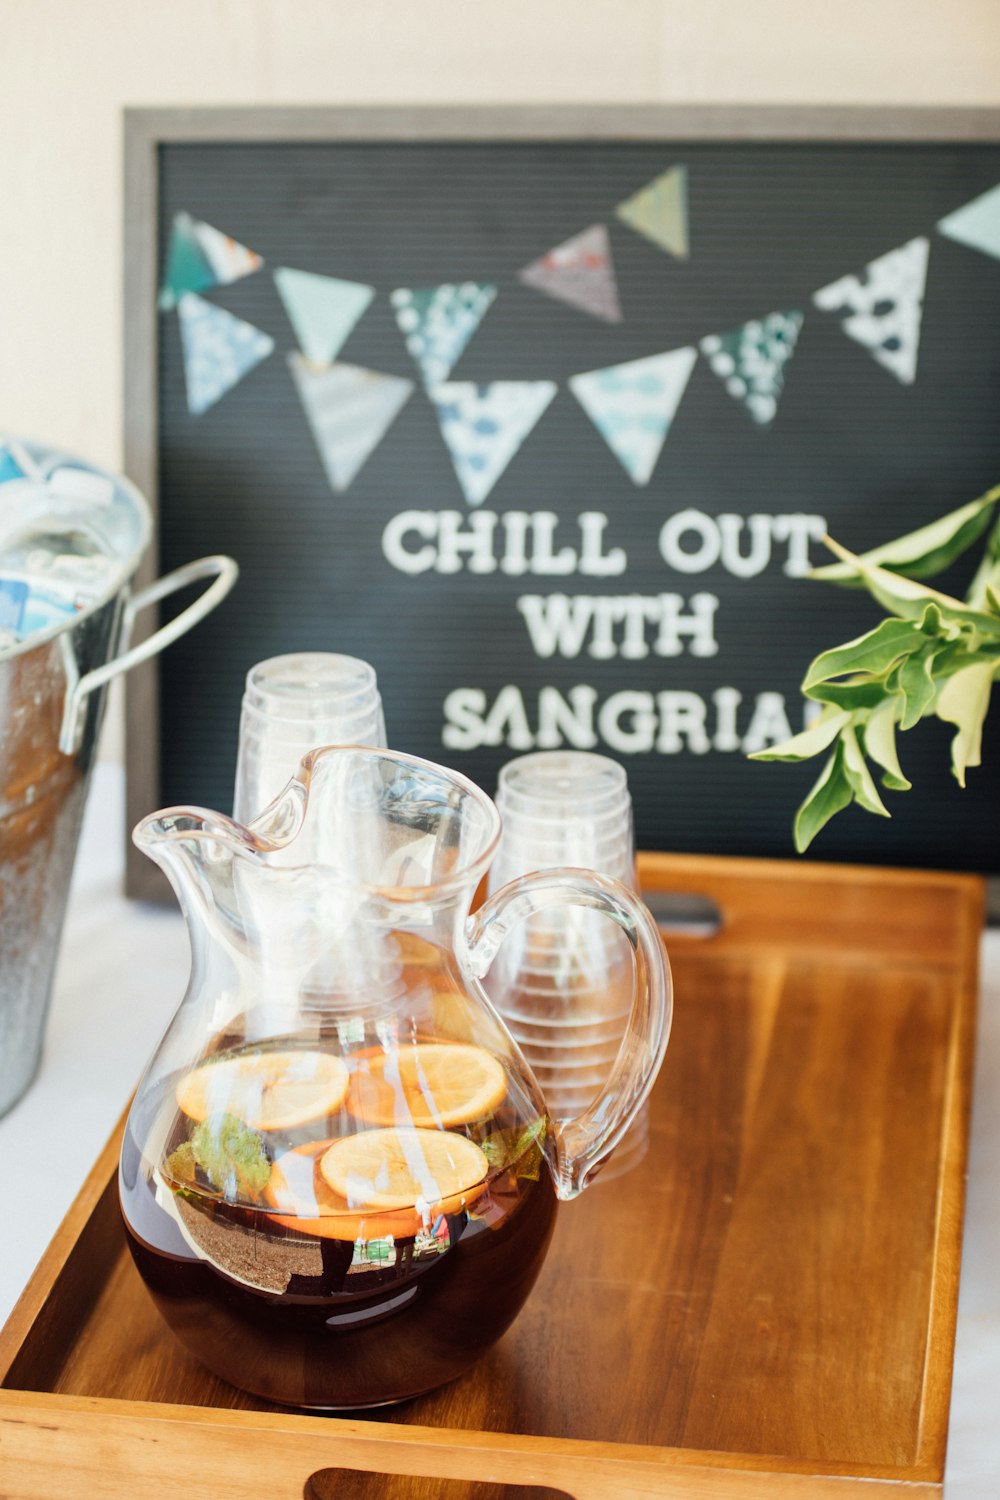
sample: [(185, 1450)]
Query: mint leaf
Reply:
[(916, 683), (924, 552), (521, 1150), (811, 741), (880, 743), (963, 700), (873, 653), (831, 793), (858, 775), (909, 600), (232, 1156)]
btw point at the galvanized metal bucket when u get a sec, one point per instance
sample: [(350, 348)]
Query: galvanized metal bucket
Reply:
[(52, 692)]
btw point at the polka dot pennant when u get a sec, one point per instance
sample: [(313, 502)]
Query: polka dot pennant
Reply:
[(632, 406), (660, 212), (750, 361), (439, 321), (201, 256), (883, 311), (484, 425), (349, 410), (219, 350), (579, 272)]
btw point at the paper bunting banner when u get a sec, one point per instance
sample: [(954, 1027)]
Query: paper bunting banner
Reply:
[(632, 405), (976, 224), (659, 211), (322, 309), (349, 410), (883, 312), (200, 257), (9, 466), (751, 360), (438, 323), (484, 425), (580, 272), (219, 349)]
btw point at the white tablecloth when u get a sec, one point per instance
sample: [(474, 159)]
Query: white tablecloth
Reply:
[(121, 972)]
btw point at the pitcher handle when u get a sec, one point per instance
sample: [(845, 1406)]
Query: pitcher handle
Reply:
[(582, 1144), (222, 569)]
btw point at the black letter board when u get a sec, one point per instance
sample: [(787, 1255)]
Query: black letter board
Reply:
[(533, 546)]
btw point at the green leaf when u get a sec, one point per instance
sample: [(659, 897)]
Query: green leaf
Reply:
[(181, 1164), (810, 742), (863, 691), (963, 700), (988, 572), (916, 683), (858, 775), (520, 1150), (831, 793), (927, 551), (873, 653), (232, 1156), (909, 600), (880, 743)]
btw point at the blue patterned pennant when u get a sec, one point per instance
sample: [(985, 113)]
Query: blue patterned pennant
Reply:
[(219, 350), (632, 405), (484, 425)]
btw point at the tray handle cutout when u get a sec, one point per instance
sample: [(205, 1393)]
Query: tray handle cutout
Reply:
[(683, 913), (359, 1484)]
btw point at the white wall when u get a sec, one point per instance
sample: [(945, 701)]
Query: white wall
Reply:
[(67, 67)]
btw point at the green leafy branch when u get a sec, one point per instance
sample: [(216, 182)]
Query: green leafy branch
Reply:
[(933, 656)]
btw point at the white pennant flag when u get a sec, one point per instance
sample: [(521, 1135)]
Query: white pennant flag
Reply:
[(883, 312), (349, 409)]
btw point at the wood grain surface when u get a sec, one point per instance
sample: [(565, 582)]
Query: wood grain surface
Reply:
[(771, 1291)]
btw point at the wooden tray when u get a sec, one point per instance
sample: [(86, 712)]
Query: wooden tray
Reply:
[(764, 1307)]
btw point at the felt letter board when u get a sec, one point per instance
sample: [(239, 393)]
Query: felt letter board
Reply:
[(544, 414)]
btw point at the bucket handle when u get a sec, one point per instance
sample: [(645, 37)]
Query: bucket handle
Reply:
[(220, 568)]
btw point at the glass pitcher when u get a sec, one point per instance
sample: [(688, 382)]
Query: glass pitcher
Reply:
[(339, 1177)]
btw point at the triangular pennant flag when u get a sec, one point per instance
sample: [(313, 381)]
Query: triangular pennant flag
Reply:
[(659, 211), (751, 360), (484, 425), (439, 321), (580, 272), (219, 349), (9, 466), (883, 312), (632, 405), (200, 257), (322, 309), (349, 410), (976, 224)]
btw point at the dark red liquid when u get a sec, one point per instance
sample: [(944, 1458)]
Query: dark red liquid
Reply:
[(320, 1324)]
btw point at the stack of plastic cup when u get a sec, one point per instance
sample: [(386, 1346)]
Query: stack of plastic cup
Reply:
[(294, 704), (563, 979)]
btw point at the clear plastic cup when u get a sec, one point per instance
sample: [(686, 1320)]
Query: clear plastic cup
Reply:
[(562, 981), (294, 704)]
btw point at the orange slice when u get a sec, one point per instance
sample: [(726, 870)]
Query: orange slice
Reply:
[(302, 1199), (391, 1169), (428, 1084), (269, 1090)]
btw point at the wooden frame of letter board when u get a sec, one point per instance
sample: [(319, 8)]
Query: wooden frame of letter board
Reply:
[(147, 129)]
